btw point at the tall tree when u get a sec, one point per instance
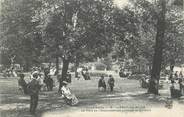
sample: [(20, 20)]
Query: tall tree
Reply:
[(18, 31), (76, 28), (157, 59)]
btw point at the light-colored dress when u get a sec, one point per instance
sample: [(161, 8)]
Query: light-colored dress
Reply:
[(71, 98)]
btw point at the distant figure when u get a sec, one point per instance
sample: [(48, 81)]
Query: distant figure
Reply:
[(181, 86), (175, 93), (181, 74), (33, 90), (48, 80), (69, 77), (111, 82), (22, 84), (83, 72), (87, 75), (176, 75), (101, 84), (69, 98)]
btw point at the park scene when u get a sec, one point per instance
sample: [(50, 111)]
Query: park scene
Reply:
[(68, 58)]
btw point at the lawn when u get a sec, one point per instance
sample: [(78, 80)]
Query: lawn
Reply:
[(126, 97)]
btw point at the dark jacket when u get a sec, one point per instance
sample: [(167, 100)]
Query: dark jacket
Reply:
[(33, 87), (101, 83), (22, 83), (111, 81)]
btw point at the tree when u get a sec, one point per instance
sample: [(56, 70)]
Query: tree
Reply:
[(18, 31), (149, 37), (77, 28), (157, 58), (135, 32)]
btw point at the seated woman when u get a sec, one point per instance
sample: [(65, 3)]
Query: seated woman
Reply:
[(69, 98), (101, 84)]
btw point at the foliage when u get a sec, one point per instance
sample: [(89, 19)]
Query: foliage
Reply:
[(18, 31)]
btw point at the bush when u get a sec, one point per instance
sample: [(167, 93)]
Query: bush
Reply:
[(100, 67), (98, 74)]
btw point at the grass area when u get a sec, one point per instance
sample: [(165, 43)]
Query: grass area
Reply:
[(127, 93)]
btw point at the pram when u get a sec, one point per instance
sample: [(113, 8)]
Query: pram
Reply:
[(68, 97)]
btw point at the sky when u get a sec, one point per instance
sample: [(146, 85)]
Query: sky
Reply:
[(121, 3)]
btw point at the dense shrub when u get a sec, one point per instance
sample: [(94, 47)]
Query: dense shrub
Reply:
[(100, 66), (97, 74)]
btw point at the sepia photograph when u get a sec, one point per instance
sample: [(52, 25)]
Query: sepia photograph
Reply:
[(91, 58)]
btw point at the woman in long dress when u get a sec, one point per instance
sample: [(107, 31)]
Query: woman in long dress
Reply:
[(69, 98)]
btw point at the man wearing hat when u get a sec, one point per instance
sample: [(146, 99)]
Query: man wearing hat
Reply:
[(111, 82), (33, 90)]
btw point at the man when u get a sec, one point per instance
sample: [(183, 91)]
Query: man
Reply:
[(48, 81), (111, 82), (176, 75), (101, 83), (33, 90), (180, 82), (22, 84), (181, 74)]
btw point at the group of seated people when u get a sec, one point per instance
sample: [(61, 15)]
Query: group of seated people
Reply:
[(175, 91), (102, 84), (45, 81), (177, 85)]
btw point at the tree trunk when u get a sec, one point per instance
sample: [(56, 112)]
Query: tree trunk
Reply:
[(64, 72), (157, 59), (57, 66), (27, 65), (49, 65), (172, 63), (76, 67)]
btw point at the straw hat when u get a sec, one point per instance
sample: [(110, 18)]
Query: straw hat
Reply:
[(64, 82)]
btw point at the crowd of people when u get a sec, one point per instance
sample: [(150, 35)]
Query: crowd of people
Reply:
[(38, 82), (177, 85), (43, 81), (33, 87)]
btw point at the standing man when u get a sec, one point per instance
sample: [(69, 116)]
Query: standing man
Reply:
[(50, 83), (33, 90), (111, 82)]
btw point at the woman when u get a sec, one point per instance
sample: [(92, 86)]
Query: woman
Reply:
[(69, 98), (101, 84)]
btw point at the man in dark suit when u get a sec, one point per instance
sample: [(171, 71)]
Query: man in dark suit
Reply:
[(33, 90), (111, 82)]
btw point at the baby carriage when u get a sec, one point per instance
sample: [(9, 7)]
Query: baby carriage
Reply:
[(68, 97)]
